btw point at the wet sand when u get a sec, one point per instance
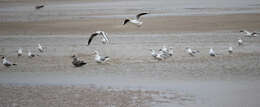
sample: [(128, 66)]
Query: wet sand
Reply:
[(132, 78), (152, 25)]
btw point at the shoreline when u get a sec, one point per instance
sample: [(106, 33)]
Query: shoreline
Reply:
[(168, 24)]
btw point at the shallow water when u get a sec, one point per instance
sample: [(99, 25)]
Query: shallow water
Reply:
[(121, 9)]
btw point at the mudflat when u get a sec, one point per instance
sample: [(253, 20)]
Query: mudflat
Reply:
[(132, 77)]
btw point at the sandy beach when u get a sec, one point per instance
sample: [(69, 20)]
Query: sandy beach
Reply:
[(133, 78)]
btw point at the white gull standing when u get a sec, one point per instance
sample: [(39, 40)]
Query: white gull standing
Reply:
[(102, 34), (230, 50), (19, 51), (212, 52), (136, 21), (240, 42), (40, 48)]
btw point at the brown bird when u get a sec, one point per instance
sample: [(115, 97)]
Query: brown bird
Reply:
[(77, 62)]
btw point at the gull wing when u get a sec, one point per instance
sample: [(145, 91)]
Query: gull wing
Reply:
[(104, 35), (247, 32), (140, 14), (126, 21), (39, 7), (91, 37)]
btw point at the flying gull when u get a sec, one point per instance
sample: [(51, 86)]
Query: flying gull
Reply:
[(249, 34), (78, 62), (212, 52), (191, 52), (6, 62), (102, 35), (136, 21), (100, 59)]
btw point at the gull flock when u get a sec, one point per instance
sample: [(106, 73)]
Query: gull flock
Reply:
[(160, 54)]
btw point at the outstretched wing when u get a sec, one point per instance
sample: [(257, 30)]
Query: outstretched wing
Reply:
[(126, 21), (39, 7), (245, 31), (140, 14), (104, 35), (91, 37)]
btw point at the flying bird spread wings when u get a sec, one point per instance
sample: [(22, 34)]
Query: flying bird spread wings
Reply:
[(136, 21)]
